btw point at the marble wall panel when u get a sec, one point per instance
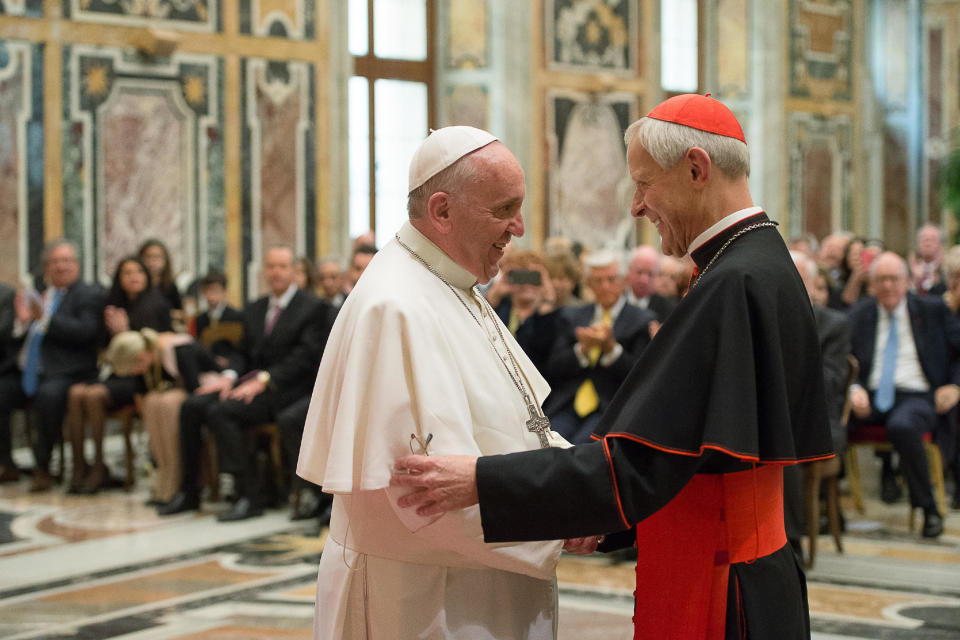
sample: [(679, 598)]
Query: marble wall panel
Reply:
[(468, 104), (732, 54), (589, 188), (897, 229), (468, 41), (937, 138), (295, 19), (21, 158), (190, 15), (592, 35), (142, 157), (278, 143), (821, 49), (820, 173), (29, 8)]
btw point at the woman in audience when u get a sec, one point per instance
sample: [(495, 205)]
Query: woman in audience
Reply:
[(564, 272), (854, 272), (132, 304), (305, 275), (155, 256)]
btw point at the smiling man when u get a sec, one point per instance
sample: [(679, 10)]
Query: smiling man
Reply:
[(691, 446), (418, 361)]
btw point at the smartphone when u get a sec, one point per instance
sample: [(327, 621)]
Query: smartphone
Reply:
[(524, 276)]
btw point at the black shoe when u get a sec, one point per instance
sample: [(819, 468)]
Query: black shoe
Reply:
[(932, 524), (955, 503), (890, 489), (241, 510), (179, 503)]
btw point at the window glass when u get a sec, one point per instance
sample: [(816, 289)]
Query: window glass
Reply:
[(357, 27), (678, 45), (359, 141), (401, 125), (400, 29)]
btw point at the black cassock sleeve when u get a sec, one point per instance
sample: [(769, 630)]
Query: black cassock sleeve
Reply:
[(551, 494)]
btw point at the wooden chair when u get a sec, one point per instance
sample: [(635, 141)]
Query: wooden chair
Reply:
[(828, 472), (270, 431), (128, 417)]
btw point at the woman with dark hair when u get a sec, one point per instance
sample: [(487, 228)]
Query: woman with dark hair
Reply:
[(854, 274), (155, 256), (132, 304), (305, 275)]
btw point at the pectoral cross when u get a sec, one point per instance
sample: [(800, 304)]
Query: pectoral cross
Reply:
[(539, 425)]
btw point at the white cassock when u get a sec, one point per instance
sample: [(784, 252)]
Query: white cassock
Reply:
[(406, 357)]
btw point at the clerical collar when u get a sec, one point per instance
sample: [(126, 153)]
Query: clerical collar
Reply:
[(720, 230), (436, 258), (721, 225)]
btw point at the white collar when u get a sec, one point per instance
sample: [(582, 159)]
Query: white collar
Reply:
[(721, 224), (434, 256), (284, 299)]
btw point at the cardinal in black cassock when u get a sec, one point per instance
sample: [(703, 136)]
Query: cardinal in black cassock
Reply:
[(689, 457)]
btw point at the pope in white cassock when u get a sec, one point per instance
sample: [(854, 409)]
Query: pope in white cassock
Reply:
[(418, 361)]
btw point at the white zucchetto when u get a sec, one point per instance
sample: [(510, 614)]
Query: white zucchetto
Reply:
[(442, 148)]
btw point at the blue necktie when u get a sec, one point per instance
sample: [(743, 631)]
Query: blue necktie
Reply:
[(31, 370), (886, 387)]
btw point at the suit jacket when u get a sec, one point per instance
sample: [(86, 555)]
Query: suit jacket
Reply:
[(833, 331), (9, 346), (220, 345), (564, 372), (291, 353), (660, 305), (936, 332), (537, 334), (70, 344)]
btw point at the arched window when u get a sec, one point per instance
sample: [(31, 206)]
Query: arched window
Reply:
[(391, 106)]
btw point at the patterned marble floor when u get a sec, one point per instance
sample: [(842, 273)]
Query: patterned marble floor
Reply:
[(106, 566)]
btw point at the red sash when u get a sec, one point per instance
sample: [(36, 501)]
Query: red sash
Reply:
[(686, 548)]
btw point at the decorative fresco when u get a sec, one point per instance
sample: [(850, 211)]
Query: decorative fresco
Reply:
[(468, 104), (29, 8), (592, 35), (293, 19), (21, 157), (191, 15), (467, 42), (732, 53), (821, 33), (937, 112), (820, 173), (279, 163), (143, 157), (588, 184)]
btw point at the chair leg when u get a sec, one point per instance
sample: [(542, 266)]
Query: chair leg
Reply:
[(833, 512), (853, 477), (812, 493)]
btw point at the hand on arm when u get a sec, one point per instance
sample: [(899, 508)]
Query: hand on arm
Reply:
[(582, 546), (247, 391), (860, 402), (219, 384), (442, 483)]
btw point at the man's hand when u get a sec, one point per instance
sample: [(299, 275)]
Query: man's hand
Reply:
[(860, 402), (604, 335), (581, 546), (442, 483), (220, 384), (946, 397), (27, 307), (588, 338), (116, 319), (247, 391)]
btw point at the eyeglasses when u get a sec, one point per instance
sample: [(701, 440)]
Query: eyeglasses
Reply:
[(418, 445)]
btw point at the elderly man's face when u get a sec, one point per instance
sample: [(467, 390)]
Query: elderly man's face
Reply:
[(660, 197), (485, 214), (279, 270), (643, 270), (928, 243), (606, 284), (62, 267), (889, 280)]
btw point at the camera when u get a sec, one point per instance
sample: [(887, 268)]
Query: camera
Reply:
[(524, 276)]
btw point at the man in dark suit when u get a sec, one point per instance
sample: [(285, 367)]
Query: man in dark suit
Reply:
[(595, 353), (642, 274), (283, 336), (220, 327), (906, 346), (59, 330), (9, 348)]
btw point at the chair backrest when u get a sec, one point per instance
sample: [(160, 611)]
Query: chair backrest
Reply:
[(853, 370)]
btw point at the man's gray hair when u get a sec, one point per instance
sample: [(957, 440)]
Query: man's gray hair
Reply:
[(903, 264), (450, 180), (56, 243), (667, 142)]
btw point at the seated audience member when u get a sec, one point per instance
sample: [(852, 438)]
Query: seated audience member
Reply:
[(132, 304), (154, 255), (805, 243), (564, 272), (926, 262), (833, 331), (60, 348), (596, 351), (854, 272), (528, 304), (9, 348), (673, 279), (951, 443), (642, 273), (906, 346), (283, 338), (362, 255), (305, 275), (330, 282), (313, 502), (219, 327), (832, 250)]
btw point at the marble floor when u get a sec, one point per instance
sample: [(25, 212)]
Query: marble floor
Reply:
[(106, 566)]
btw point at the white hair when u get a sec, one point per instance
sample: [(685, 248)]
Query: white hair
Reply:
[(450, 180), (667, 142)]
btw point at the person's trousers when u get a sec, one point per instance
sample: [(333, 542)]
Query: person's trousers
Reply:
[(912, 416), (48, 407), (291, 420), (229, 421), (193, 415)]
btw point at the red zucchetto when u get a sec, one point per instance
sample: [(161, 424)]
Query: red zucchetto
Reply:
[(699, 112)]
